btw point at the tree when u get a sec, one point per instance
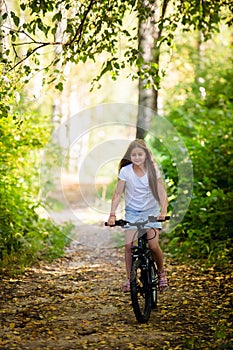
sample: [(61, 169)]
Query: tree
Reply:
[(91, 27), (149, 35), (157, 18), (86, 29)]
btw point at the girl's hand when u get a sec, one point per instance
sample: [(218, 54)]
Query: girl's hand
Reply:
[(111, 220), (161, 217)]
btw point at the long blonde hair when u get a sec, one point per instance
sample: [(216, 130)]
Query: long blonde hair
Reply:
[(149, 163)]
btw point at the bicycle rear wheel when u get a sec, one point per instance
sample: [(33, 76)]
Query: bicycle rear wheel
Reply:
[(140, 291)]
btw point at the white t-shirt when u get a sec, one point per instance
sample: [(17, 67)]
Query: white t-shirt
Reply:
[(138, 195)]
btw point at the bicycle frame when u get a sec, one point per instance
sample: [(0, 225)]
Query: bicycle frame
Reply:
[(141, 249)]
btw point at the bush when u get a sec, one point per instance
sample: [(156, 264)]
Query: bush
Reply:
[(24, 236), (205, 124)]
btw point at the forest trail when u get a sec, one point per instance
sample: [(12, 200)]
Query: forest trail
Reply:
[(76, 302)]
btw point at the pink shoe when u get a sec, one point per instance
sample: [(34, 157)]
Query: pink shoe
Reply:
[(126, 287), (163, 282)]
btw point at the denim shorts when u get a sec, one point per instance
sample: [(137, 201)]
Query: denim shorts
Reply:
[(132, 215)]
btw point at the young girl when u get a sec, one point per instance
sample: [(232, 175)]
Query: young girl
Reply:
[(145, 195)]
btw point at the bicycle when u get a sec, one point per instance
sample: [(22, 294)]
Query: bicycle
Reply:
[(144, 276)]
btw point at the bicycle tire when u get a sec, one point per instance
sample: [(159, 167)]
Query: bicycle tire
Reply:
[(140, 291), (154, 285)]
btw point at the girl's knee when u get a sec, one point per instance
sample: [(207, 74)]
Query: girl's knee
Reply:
[(153, 240), (153, 235), (128, 247)]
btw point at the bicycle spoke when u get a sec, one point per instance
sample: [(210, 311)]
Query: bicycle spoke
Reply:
[(140, 292), (154, 285)]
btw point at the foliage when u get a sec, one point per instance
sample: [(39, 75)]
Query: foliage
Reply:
[(202, 16), (87, 29), (204, 119), (77, 31), (23, 134)]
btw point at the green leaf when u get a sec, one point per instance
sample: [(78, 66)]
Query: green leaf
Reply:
[(15, 18), (5, 15), (107, 68), (57, 17), (23, 7), (59, 86)]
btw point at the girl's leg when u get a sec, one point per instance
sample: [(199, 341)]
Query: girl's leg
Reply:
[(129, 240), (130, 237), (153, 242)]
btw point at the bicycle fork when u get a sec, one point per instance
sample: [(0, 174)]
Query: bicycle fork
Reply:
[(139, 253)]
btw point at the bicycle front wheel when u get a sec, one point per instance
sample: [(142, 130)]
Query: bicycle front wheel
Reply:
[(154, 285), (140, 291)]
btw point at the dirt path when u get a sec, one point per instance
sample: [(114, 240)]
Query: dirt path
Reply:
[(76, 303)]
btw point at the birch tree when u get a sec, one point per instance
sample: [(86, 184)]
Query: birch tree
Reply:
[(93, 27)]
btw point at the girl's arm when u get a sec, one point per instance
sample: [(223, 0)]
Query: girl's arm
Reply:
[(120, 187), (163, 198)]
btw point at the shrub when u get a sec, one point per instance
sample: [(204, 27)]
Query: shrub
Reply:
[(24, 236)]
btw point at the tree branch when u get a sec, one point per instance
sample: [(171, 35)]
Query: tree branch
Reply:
[(164, 9), (29, 54), (80, 27)]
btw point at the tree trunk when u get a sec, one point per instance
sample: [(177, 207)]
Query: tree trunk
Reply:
[(148, 35)]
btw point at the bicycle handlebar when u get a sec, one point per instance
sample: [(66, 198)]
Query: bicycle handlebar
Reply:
[(138, 223)]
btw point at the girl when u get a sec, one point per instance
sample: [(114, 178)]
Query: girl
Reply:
[(145, 195)]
